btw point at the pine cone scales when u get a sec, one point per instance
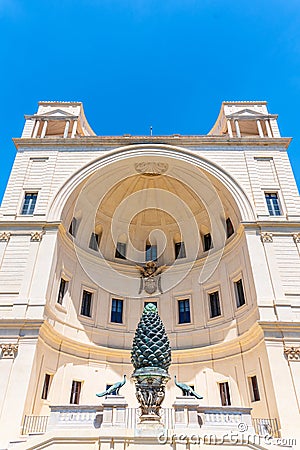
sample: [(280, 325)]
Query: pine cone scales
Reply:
[(151, 347)]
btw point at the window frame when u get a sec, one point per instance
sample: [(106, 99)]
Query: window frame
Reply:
[(276, 193), (61, 303), (80, 383), (227, 393), (254, 391), (118, 253), (184, 299), (205, 249), (117, 299), (149, 251), (94, 241), (29, 192), (73, 227), (46, 386), (236, 293), (92, 292), (210, 293), (229, 228), (181, 253)]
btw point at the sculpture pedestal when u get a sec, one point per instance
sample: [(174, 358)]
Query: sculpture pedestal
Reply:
[(114, 411), (186, 412)]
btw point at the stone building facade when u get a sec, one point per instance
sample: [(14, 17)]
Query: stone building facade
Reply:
[(82, 213)]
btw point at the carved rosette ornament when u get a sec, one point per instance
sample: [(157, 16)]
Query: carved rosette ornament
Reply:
[(151, 358), (292, 353), (5, 236), (266, 237), (9, 350)]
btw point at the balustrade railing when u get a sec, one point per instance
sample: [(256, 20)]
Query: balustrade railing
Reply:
[(266, 426), (35, 424)]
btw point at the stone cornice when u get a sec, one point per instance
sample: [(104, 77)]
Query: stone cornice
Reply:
[(203, 140), (247, 342)]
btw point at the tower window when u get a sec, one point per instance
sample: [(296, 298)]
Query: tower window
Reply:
[(116, 311), (75, 392), (214, 304), (29, 203), (184, 311), (229, 228), (94, 241), (179, 250), (225, 394), (273, 204), (121, 250), (86, 304), (46, 386), (207, 242), (255, 397), (239, 293), (151, 252), (73, 227), (62, 290)]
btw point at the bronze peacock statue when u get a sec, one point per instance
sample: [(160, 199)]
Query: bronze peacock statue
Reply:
[(114, 389), (187, 390)]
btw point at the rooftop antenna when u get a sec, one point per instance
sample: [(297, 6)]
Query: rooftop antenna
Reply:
[(151, 130)]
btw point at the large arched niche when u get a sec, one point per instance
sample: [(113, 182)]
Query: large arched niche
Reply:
[(120, 163)]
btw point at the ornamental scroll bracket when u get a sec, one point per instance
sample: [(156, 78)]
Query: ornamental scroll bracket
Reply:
[(36, 236), (5, 236), (9, 351), (292, 353), (266, 237)]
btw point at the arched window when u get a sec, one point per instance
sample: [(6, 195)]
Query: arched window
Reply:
[(95, 238), (121, 247), (229, 228)]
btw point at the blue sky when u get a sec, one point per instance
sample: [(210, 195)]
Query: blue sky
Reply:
[(136, 63)]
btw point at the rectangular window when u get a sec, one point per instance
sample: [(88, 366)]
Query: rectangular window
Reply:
[(184, 311), (273, 204), (62, 290), (29, 203), (121, 250), (229, 228), (214, 304), (94, 241), (46, 386), (179, 250), (75, 392), (73, 227), (86, 304), (239, 293), (207, 242), (225, 394), (151, 252), (116, 311), (255, 397)]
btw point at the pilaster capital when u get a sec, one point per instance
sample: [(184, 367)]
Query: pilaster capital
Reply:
[(9, 350), (36, 236), (5, 236), (292, 353), (266, 237), (296, 238)]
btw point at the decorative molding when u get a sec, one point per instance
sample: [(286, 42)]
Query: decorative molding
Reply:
[(9, 350), (151, 168), (266, 237), (36, 236), (292, 353), (296, 238), (5, 236)]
